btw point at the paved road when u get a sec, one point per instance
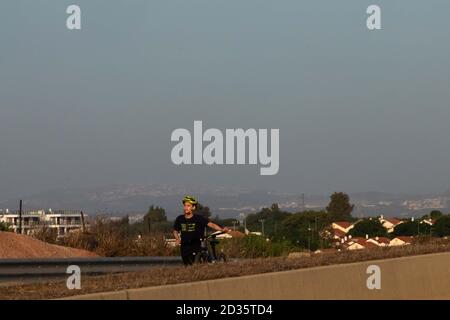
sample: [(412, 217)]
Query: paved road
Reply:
[(16, 271)]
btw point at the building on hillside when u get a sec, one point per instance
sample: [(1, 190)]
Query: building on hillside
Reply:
[(354, 244), (389, 223), (30, 220), (401, 241), (339, 230), (343, 226), (379, 241), (430, 222), (358, 243), (63, 221)]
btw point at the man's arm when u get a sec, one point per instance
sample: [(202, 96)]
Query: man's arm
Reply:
[(176, 231), (214, 226), (177, 237)]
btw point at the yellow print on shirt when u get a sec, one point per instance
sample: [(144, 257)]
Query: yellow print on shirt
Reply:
[(187, 227)]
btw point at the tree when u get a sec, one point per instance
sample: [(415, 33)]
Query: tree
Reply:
[(274, 207), (436, 214), (441, 227), (155, 217), (203, 211), (339, 207), (370, 227), (411, 228), (227, 222), (4, 226), (272, 218), (304, 229)]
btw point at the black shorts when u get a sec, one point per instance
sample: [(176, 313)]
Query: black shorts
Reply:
[(188, 259), (188, 254)]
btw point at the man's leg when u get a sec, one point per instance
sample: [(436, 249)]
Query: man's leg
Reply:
[(185, 260), (188, 258)]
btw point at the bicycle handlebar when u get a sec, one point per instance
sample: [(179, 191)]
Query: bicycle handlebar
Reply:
[(215, 234)]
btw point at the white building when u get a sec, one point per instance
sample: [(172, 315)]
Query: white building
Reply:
[(401, 241), (340, 229), (63, 221), (343, 226), (389, 223), (30, 220)]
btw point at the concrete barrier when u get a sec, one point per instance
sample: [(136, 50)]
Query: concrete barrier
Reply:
[(414, 277)]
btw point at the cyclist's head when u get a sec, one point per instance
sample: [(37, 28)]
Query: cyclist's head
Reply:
[(189, 204)]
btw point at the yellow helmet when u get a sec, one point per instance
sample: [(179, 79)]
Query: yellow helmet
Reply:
[(190, 199)]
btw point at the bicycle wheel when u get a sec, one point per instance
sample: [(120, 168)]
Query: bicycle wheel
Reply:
[(201, 257), (222, 257)]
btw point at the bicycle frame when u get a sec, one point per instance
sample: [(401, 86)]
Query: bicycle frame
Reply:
[(208, 248)]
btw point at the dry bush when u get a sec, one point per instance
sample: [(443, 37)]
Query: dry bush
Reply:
[(80, 240), (46, 234), (152, 245), (253, 246), (112, 239)]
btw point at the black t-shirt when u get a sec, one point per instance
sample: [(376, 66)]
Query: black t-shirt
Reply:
[(192, 230)]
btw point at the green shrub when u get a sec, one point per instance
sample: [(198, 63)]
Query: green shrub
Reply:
[(5, 227), (253, 246)]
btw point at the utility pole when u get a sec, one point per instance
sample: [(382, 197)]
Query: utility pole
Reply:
[(316, 232), (303, 201), (20, 217), (244, 222), (262, 226), (234, 225), (431, 223), (309, 236), (82, 221)]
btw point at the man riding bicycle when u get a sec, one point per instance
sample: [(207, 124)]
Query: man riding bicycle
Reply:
[(192, 227)]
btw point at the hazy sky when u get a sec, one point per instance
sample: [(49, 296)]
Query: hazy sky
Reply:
[(357, 110)]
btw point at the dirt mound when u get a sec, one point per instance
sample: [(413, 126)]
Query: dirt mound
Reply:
[(20, 246)]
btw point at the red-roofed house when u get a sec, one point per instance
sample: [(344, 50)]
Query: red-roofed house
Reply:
[(401, 241), (389, 223), (358, 243), (344, 226), (338, 234), (357, 239), (354, 246), (428, 221), (380, 241), (355, 243), (370, 245)]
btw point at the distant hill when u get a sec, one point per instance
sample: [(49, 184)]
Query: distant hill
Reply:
[(227, 202)]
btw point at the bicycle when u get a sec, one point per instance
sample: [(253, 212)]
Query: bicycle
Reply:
[(207, 253)]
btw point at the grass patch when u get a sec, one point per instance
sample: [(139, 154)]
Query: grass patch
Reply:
[(253, 246)]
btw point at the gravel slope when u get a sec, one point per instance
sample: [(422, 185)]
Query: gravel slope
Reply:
[(21, 247)]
